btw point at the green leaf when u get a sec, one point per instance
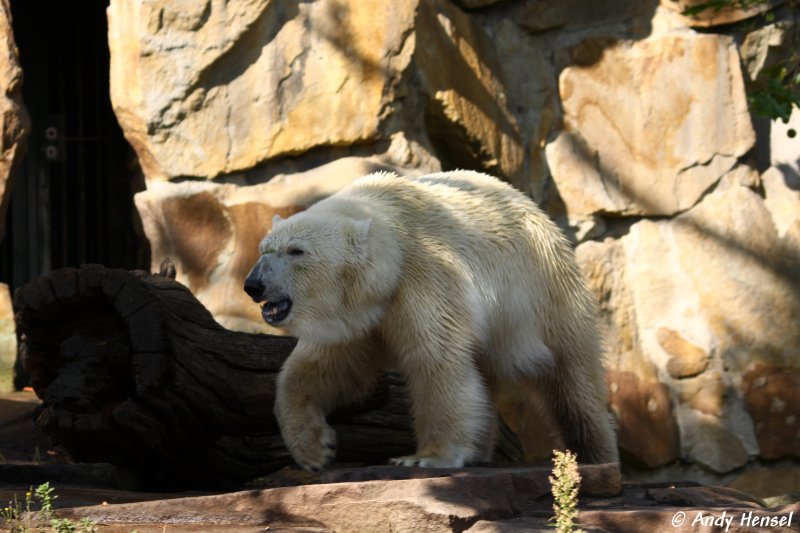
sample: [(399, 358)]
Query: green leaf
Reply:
[(716, 5)]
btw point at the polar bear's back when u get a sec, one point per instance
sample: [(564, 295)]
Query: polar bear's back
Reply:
[(479, 218), (480, 230)]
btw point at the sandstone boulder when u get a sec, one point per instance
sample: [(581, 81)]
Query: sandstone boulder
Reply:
[(531, 89), (696, 303), (686, 359), (466, 110), (249, 82), (649, 126), (211, 231), (648, 431), (709, 441), (745, 278), (705, 394), (8, 340), (772, 399), (371, 499), (506, 500), (769, 46), (15, 123), (540, 15), (714, 16), (771, 481)]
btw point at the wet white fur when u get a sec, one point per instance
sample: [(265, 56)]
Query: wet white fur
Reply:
[(457, 281)]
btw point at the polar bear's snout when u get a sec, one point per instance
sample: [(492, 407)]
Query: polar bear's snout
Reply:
[(260, 286), (254, 287)]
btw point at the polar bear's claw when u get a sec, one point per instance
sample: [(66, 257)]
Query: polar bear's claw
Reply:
[(314, 449), (406, 460), (427, 461)]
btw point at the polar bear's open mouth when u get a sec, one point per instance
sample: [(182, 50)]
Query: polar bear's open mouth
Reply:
[(274, 312)]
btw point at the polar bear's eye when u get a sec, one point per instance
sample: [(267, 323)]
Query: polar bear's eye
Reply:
[(295, 251)]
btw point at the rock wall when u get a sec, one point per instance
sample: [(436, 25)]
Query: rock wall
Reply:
[(8, 340), (15, 123), (14, 128), (626, 120)]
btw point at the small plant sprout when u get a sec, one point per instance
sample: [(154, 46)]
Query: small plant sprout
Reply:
[(17, 517), (63, 525), (565, 483), (44, 493), (88, 525)]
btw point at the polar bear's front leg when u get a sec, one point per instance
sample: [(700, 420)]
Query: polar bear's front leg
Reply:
[(299, 395), (452, 412), (313, 381)]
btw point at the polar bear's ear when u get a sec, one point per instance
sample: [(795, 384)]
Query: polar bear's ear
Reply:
[(362, 229), (360, 236), (276, 219)]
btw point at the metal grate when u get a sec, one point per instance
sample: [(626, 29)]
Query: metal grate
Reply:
[(73, 202)]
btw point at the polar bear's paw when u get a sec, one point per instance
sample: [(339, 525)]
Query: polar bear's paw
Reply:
[(314, 447), (429, 461)]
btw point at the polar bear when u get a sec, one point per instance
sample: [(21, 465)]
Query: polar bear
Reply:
[(455, 280)]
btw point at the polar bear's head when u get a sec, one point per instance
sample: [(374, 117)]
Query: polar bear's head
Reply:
[(313, 276)]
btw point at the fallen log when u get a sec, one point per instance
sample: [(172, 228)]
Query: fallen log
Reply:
[(134, 371)]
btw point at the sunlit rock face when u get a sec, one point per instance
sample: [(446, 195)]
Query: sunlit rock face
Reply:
[(626, 122), (15, 123), (205, 89), (209, 88), (642, 130), (716, 17), (707, 304), (8, 340)]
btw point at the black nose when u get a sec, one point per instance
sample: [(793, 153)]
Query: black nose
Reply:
[(254, 287)]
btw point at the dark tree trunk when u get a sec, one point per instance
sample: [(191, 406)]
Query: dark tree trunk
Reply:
[(134, 371)]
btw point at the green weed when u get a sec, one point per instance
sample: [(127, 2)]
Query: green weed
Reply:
[(20, 517)]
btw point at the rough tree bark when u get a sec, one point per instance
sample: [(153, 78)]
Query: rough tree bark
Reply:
[(134, 371)]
